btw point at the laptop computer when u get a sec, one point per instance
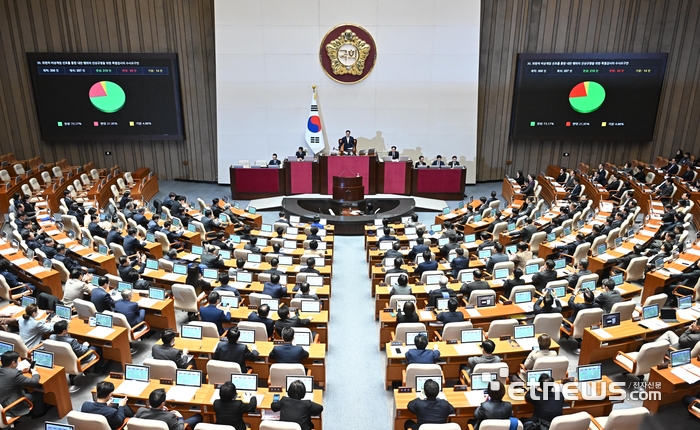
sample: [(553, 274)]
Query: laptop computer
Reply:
[(150, 237), (436, 228), (588, 285), (210, 273), (590, 372), (303, 339), (525, 335), (57, 426), (246, 336), (156, 293), (559, 264), (197, 250), (484, 253), (533, 376), (313, 306), (245, 382), (441, 304), (668, 315), (152, 264), (121, 286), (308, 382), (229, 301), (480, 381), (685, 302), (64, 312), (101, 249), (567, 230), (551, 237), (531, 269), (4, 347), (254, 258), (680, 357), (467, 277), (103, 320), (401, 303), (411, 336), (523, 297), (472, 335), (274, 304), (26, 301), (285, 260), (244, 277), (180, 269), (266, 228), (511, 227), (133, 372), (433, 279), (188, 378), (43, 358), (501, 273), (469, 238), (651, 311), (315, 281), (292, 231), (225, 254), (386, 245), (611, 319), (618, 279), (421, 380), (511, 249), (191, 332), (485, 301)]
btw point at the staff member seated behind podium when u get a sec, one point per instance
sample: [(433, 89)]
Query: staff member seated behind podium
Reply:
[(288, 353), (346, 144), (421, 355)]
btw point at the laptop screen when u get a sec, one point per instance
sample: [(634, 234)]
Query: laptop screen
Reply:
[(511, 249), (311, 306), (618, 279), (511, 226), (150, 237), (485, 301), (467, 277), (567, 230), (409, 231), (480, 381), (411, 336), (531, 269), (152, 264), (680, 357), (421, 380), (63, 312), (445, 210), (272, 303), (95, 281), (267, 228), (246, 336), (197, 250), (441, 304), (191, 228), (255, 258), (285, 260), (225, 255), (26, 301), (659, 263), (245, 277), (133, 372), (551, 237), (308, 382), (4, 347), (210, 273), (103, 320), (560, 264), (400, 303), (477, 218), (685, 302), (484, 253), (234, 239), (533, 376), (180, 269), (43, 359), (651, 311), (121, 286), (443, 241), (602, 248), (229, 301), (315, 281), (156, 293), (523, 297), (251, 210), (501, 273), (191, 331), (385, 245), (294, 219), (245, 382), (46, 263), (559, 291), (289, 244), (472, 335), (611, 320), (302, 338), (618, 241), (469, 238), (292, 231), (524, 331), (190, 378), (437, 228), (588, 285), (591, 372), (85, 242), (57, 426), (433, 279)]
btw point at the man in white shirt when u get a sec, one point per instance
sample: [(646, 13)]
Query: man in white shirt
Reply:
[(76, 286)]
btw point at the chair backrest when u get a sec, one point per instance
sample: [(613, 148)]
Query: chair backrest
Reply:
[(626, 418), (278, 425), (499, 328), (650, 355), (413, 370), (63, 355), (200, 228), (598, 241), (625, 309), (635, 270), (117, 250), (163, 240), (586, 318), (207, 426), (586, 278), (85, 309), (492, 368), (255, 298), (86, 421), (402, 328), (219, 371), (57, 173), (19, 169), (499, 228), (536, 240), (558, 364), (260, 329), (538, 261), (581, 252), (166, 265), (656, 299), (5, 176), (549, 323), (400, 297), (424, 276), (494, 425), (19, 346), (453, 330), (280, 371), (578, 421), (474, 296), (612, 235), (143, 424), (209, 329), (34, 184), (185, 297), (161, 368), (241, 253)]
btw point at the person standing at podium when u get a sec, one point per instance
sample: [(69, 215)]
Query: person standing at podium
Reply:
[(394, 154), (438, 161), (346, 144)]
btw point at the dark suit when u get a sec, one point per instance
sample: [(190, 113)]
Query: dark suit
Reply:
[(166, 352), (131, 311), (141, 220), (231, 413), (212, 261), (115, 416), (114, 236), (431, 411), (574, 277), (297, 411), (68, 262), (235, 353), (540, 279), (102, 300), (450, 317), (508, 285), (212, 314), (673, 169), (12, 382), (394, 155), (347, 143), (417, 250), (440, 293), (438, 163), (288, 353), (269, 323), (292, 321), (422, 356), (173, 422), (425, 266), (459, 263), (274, 162), (527, 232), (420, 163), (576, 192), (496, 258), (467, 289), (529, 189), (606, 300), (131, 243), (276, 291), (96, 230), (493, 410), (576, 307), (208, 223)]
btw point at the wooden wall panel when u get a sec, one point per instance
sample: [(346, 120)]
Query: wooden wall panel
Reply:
[(510, 27), (182, 26)]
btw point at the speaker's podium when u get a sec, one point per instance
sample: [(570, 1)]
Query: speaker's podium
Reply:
[(348, 188)]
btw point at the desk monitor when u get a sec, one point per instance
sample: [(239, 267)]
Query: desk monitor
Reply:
[(64, 312), (103, 320), (121, 286), (421, 380), (560, 263), (680, 357), (274, 304), (319, 261), (150, 237), (478, 218), (57, 426), (245, 382), (156, 293), (611, 319), (618, 241), (175, 220), (266, 228), (4, 347), (95, 281), (511, 226), (460, 205), (191, 331), (152, 264), (523, 297), (433, 279), (441, 304), (46, 263), (511, 249), (601, 249), (223, 218), (579, 224), (70, 233), (191, 228), (133, 372), (659, 263), (289, 244), (26, 301), (410, 231), (531, 269), (443, 241), (485, 301), (302, 338), (588, 285), (618, 279), (251, 210), (189, 378), (308, 382), (591, 372), (210, 273), (651, 311), (445, 210), (533, 376), (484, 253), (400, 303), (236, 205), (229, 301), (30, 253), (245, 277), (322, 245), (537, 215), (254, 258), (315, 281), (285, 260), (472, 335), (501, 273), (386, 245), (197, 250), (685, 302), (437, 228), (85, 242), (293, 219), (225, 254), (43, 359), (262, 243), (567, 230), (313, 306), (470, 238), (179, 269), (524, 331), (467, 277), (411, 336), (235, 239), (246, 336), (292, 231), (480, 381), (559, 291), (551, 237), (378, 222)]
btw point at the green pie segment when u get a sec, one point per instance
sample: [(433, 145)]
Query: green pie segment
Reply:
[(107, 96), (587, 97)]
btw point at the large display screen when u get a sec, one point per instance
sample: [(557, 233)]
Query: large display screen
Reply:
[(600, 97), (107, 96)]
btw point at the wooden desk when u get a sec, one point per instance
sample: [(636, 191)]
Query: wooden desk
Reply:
[(114, 346), (656, 280), (319, 321), (160, 315), (55, 386), (671, 387), (511, 190), (47, 280), (87, 257)]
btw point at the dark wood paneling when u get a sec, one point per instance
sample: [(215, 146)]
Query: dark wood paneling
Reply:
[(510, 27), (182, 26)]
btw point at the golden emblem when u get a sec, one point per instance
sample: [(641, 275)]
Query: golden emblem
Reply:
[(348, 53)]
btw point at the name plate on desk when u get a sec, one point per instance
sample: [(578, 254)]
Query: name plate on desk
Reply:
[(396, 343), (278, 342), (166, 381), (252, 307), (460, 388), (405, 390), (505, 337), (451, 341), (116, 375), (274, 389), (388, 310)]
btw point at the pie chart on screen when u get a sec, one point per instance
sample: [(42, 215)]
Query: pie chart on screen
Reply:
[(587, 97), (107, 96)]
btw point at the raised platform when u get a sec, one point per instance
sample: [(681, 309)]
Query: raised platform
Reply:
[(339, 214), (423, 203)]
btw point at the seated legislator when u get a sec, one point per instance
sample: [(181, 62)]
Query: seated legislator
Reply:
[(517, 280), (274, 263), (494, 408), (224, 279), (498, 257), (454, 163), (522, 255), (313, 249), (95, 229), (131, 242), (545, 275), (103, 405), (408, 315), (450, 245), (441, 293), (288, 353), (313, 234), (167, 351), (421, 355), (32, 330), (310, 266), (418, 249), (478, 284), (134, 315), (387, 235), (398, 262), (460, 262), (452, 315), (304, 292), (574, 277), (76, 287), (285, 321), (609, 296), (430, 410), (394, 252), (229, 410), (487, 357), (438, 161), (544, 342), (546, 402), (547, 304), (401, 286), (214, 313), (261, 316), (347, 144), (159, 412), (427, 264), (273, 288), (293, 407), (688, 339), (211, 258), (13, 381), (233, 351), (274, 161), (100, 297)]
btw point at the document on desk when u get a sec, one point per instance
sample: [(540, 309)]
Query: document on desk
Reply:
[(555, 244), (268, 414), (179, 393), (171, 276), (527, 343), (654, 324), (426, 315), (429, 288), (471, 348), (131, 388), (649, 233), (602, 333), (251, 265), (473, 312), (623, 251), (8, 251), (475, 398), (684, 262), (51, 232), (11, 310), (76, 248), (688, 314), (685, 375), (695, 370), (20, 261), (605, 257), (36, 269), (638, 241), (694, 251), (147, 302), (64, 240), (100, 332), (190, 257), (527, 307)]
